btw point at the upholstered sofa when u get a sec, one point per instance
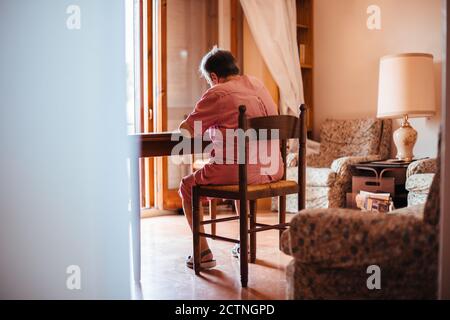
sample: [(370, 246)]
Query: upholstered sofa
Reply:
[(342, 143), (333, 249), (419, 177)]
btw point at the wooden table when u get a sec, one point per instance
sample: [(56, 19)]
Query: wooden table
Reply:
[(388, 169), (151, 145)]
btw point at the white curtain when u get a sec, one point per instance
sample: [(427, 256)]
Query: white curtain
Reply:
[(273, 24)]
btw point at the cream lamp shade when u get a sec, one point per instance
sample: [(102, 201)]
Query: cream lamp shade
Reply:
[(406, 89), (406, 86)]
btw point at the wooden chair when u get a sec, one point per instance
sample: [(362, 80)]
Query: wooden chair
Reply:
[(212, 204), (289, 127)]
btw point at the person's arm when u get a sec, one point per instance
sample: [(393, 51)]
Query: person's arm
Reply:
[(205, 113), (184, 128)]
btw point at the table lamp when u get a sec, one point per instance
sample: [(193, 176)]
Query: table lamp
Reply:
[(406, 90)]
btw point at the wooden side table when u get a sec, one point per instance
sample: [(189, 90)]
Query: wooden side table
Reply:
[(390, 176)]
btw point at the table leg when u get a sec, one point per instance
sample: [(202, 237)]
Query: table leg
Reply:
[(135, 219)]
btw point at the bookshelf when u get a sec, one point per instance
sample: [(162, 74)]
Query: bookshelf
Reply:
[(305, 41)]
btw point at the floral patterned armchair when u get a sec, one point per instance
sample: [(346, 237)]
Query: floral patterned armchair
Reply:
[(332, 249), (343, 142), (418, 180)]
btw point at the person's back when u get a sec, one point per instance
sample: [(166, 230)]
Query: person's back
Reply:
[(218, 112)]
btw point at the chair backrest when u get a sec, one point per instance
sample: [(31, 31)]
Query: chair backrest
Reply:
[(431, 211), (288, 127), (357, 137)]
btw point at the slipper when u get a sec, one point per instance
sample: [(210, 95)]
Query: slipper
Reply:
[(204, 264), (236, 251)]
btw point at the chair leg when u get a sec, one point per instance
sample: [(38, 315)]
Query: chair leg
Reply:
[(196, 228), (213, 214), (281, 214), (243, 242), (253, 208)]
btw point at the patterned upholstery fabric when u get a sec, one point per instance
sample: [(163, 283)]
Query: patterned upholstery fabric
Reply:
[(341, 238), (416, 198), (357, 138), (332, 249), (421, 167), (419, 183), (316, 177), (343, 142), (418, 186), (419, 178), (319, 182), (432, 206)]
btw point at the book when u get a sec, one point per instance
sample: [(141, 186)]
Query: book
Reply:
[(375, 202), (302, 49)]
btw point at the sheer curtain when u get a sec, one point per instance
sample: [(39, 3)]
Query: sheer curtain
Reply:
[(273, 24)]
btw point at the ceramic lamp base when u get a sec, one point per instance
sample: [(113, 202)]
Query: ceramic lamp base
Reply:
[(405, 138)]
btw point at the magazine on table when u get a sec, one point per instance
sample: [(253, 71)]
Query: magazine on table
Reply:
[(377, 202)]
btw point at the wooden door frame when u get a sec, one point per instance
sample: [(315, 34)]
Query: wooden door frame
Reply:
[(142, 176), (165, 198), (150, 163), (146, 166), (236, 32), (444, 256), (160, 96)]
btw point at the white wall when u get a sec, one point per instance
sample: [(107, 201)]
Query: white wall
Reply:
[(63, 180), (347, 57)]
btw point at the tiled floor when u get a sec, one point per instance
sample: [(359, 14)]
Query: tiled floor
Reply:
[(167, 240)]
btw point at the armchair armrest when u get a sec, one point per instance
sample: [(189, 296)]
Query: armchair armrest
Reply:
[(342, 238), (292, 160), (312, 153), (422, 166), (342, 165), (315, 160)]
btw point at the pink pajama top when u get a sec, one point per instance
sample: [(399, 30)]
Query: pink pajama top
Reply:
[(217, 111)]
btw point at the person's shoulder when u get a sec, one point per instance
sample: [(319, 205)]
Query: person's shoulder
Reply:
[(225, 89), (255, 82), (216, 92), (212, 94)]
